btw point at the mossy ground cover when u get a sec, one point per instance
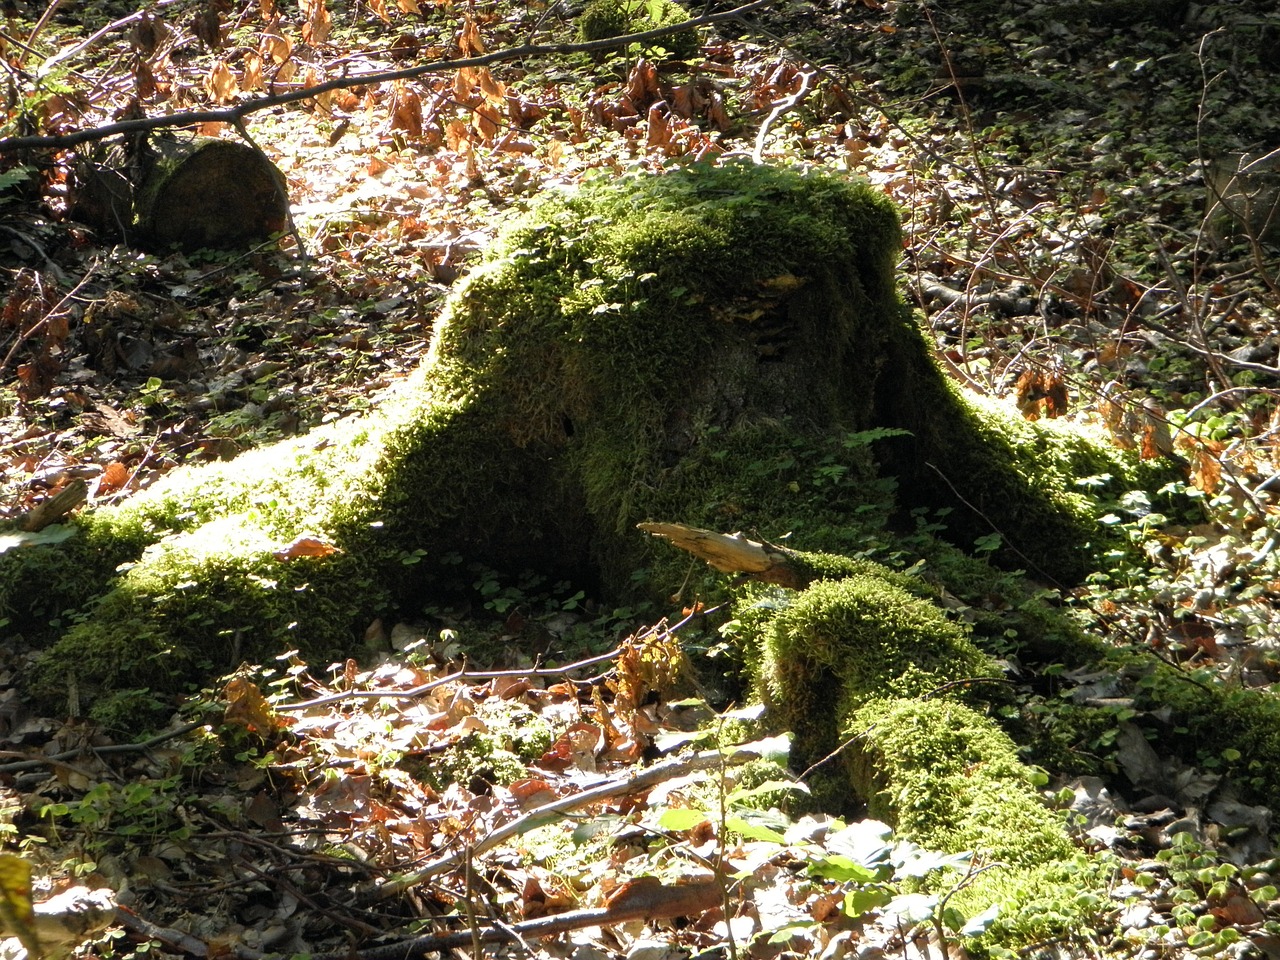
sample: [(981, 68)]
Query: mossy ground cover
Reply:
[(717, 345), (997, 155)]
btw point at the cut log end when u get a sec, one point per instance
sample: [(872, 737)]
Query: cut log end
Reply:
[(212, 193)]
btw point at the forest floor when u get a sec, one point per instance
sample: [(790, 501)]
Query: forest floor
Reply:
[(1079, 240)]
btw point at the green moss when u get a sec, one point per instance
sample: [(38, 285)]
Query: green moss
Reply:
[(951, 780), (1230, 728), (717, 345), (516, 728), (602, 19), (473, 761), (750, 777), (840, 642)]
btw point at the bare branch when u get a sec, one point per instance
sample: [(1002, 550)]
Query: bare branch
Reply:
[(234, 115)]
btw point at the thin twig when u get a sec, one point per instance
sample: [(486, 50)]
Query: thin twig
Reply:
[(557, 810), (781, 107), (159, 738), (233, 115)]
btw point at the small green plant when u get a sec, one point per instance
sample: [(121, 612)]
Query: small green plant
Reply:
[(603, 19), (113, 815), (879, 876)]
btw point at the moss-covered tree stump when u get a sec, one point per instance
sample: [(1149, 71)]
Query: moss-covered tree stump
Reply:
[(722, 347)]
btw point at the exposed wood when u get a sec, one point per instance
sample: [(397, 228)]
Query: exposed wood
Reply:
[(734, 553), (55, 508), (61, 923)]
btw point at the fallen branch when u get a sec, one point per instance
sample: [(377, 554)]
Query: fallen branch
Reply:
[(234, 115), (644, 898), (556, 810), (60, 924), (55, 508)]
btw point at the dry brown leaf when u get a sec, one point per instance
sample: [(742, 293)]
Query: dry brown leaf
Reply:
[(248, 708), (487, 121), (275, 46), (207, 25), (532, 792), (221, 83), (456, 135), (469, 41), (115, 476), (144, 79), (406, 110), (148, 33), (317, 23), (1206, 470), (1238, 911), (251, 79), (379, 7), (494, 90)]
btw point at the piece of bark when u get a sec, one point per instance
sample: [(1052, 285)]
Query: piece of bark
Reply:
[(55, 508), (62, 923), (734, 553)]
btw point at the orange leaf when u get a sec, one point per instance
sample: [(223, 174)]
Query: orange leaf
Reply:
[(221, 82), (252, 77), (306, 547), (494, 90), (469, 41), (315, 29), (115, 476)]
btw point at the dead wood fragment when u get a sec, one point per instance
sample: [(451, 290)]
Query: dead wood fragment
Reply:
[(644, 898), (62, 923), (734, 553), (556, 810), (55, 508)]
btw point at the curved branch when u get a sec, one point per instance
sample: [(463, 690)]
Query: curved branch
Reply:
[(235, 114)]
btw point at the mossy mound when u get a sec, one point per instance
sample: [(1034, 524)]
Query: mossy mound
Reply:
[(603, 19), (719, 345)]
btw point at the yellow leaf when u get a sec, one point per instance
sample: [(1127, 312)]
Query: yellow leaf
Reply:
[(16, 914)]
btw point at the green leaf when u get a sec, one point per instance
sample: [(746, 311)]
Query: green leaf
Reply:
[(842, 869), (912, 908), (771, 786), (666, 742), (785, 933), (22, 538), (753, 831), (776, 748), (862, 900), (752, 712), (865, 842), (681, 819)]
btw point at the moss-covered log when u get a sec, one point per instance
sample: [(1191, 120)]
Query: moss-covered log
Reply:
[(723, 347)]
